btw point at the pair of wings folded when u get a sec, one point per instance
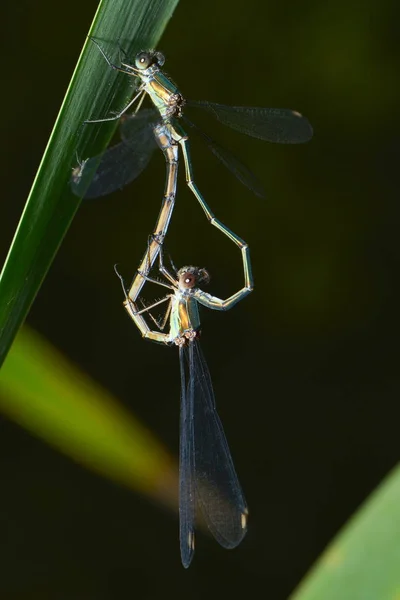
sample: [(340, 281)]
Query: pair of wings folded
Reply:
[(207, 476)]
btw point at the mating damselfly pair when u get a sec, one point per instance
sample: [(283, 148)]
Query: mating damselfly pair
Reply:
[(207, 475)]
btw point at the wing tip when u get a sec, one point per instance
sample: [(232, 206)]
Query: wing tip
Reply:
[(187, 549), (307, 131)]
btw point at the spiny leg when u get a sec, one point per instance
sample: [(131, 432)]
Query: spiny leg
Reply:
[(161, 326), (163, 270), (156, 281), (129, 70), (123, 111), (121, 51), (166, 317), (145, 330), (153, 305), (145, 308), (134, 314)]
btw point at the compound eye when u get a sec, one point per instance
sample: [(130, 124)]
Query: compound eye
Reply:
[(143, 60), (159, 58), (188, 280)]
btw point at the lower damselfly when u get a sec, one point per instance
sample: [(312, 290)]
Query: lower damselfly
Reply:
[(207, 477)]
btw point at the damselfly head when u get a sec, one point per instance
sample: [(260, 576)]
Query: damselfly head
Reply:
[(190, 277), (147, 59)]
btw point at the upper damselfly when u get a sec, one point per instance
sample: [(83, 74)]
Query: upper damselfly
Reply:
[(144, 130)]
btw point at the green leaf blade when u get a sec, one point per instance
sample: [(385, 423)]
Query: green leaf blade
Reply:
[(94, 91), (363, 561)]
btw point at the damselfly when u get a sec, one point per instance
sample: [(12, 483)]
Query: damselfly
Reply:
[(146, 129), (207, 477)]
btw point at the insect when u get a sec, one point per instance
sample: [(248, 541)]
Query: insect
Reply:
[(144, 130), (207, 477)]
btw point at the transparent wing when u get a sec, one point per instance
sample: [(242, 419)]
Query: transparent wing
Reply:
[(243, 173), (187, 499), (120, 164), (218, 489), (132, 124), (279, 125)]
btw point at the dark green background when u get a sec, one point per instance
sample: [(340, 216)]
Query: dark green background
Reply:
[(305, 370)]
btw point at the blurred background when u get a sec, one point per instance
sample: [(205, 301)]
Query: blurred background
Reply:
[(305, 369)]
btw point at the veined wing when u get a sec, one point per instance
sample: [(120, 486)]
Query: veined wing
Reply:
[(120, 164), (218, 490), (187, 500), (243, 173), (279, 125), (132, 124)]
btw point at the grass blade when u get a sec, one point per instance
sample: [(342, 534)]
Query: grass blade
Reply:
[(94, 91), (362, 563)]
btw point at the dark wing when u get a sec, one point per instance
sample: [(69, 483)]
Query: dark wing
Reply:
[(272, 124), (236, 167), (187, 500), (120, 164), (218, 489)]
